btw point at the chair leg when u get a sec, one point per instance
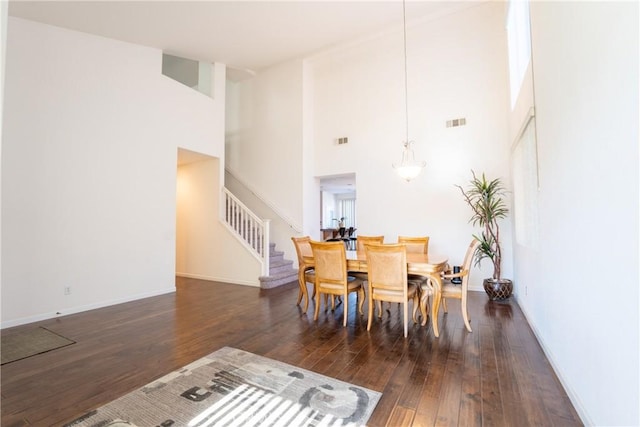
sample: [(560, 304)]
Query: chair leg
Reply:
[(306, 296), (379, 304), (345, 309), (361, 301), (465, 314), (302, 291), (370, 312), (405, 316), (317, 309), (306, 302), (444, 304)]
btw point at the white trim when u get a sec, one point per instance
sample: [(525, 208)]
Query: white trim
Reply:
[(227, 280), (74, 310)]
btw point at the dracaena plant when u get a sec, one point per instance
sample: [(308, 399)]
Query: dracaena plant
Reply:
[(486, 199)]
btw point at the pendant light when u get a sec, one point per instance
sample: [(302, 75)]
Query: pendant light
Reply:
[(409, 168)]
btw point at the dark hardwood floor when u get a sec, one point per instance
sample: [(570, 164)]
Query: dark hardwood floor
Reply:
[(495, 376)]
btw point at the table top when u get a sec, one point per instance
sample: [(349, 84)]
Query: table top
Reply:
[(416, 263)]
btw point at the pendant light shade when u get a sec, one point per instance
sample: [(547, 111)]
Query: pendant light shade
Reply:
[(409, 168)]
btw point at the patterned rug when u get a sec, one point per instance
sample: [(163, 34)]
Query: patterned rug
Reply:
[(232, 387), (27, 343)]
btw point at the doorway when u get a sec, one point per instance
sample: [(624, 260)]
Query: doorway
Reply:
[(338, 207)]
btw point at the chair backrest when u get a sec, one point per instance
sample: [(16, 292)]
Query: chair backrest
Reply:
[(342, 231), (330, 264), (387, 267), (466, 264), (350, 231), (365, 240), (303, 249), (419, 245)]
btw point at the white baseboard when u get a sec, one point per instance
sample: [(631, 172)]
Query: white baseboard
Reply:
[(218, 279), (79, 309)]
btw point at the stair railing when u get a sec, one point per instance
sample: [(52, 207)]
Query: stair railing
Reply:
[(252, 232)]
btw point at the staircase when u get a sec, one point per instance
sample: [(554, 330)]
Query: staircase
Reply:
[(281, 270), (253, 233)]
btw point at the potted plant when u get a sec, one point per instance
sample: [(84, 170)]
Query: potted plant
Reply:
[(486, 201)]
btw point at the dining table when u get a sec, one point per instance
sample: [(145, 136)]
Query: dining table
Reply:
[(427, 265)]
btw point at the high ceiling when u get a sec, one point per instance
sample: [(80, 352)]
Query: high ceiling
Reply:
[(245, 35)]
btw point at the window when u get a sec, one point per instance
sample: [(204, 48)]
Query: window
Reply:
[(347, 209), (519, 45), (525, 185), (194, 74)]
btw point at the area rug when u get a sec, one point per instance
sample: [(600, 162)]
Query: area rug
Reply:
[(20, 345), (232, 387)]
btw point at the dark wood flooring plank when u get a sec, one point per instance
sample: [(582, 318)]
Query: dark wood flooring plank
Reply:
[(450, 397), (471, 399), (400, 417), (492, 411)]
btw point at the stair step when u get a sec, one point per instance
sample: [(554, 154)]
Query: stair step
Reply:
[(281, 271), (275, 280), (275, 256), (280, 266)]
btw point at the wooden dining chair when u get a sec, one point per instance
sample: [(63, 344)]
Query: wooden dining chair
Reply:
[(387, 268), (365, 240), (361, 241), (418, 245), (305, 269), (331, 276), (451, 290)]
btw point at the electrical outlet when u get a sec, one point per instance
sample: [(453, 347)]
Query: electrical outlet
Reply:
[(67, 290)]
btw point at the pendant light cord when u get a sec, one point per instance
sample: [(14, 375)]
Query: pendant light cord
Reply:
[(406, 90)]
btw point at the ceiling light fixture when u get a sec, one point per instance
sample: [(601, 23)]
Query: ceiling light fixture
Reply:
[(409, 168)]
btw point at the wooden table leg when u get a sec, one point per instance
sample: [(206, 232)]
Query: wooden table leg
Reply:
[(435, 306)]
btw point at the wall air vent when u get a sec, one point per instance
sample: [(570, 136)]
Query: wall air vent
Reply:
[(456, 122)]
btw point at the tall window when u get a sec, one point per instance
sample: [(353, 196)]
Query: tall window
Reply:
[(519, 44), (525, 185), (347, 209)]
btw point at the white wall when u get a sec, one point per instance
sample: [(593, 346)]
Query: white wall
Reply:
[(264, 142), (583, 298), (3, 49), (264, 138), (456, 68), (206, 249), (329, 210), (91, 130)]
